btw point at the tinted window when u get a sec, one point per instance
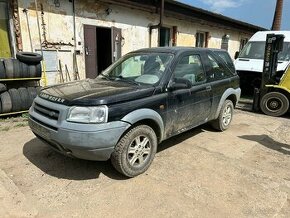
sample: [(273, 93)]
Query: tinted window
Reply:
[(227, 59), (217, 69), (190, 68)]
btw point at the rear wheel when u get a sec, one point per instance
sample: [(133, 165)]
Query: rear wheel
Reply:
[(135, 151), (225, 117), (274, 104)]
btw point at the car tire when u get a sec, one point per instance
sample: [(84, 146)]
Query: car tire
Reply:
[(225, 117), (2, 70), (25, 70), (38, 90), (29, 57), (274, 104), (6, 102), (15, 99), (16, 68), (8, 68), (32, 94), (32, 71), (38, 70), (135, 151), (3, 88), (25, 99)]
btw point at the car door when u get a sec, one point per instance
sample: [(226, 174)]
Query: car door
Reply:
[(219, 76), (188, 107)]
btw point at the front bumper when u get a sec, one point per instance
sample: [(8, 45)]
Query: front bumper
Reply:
[(84, 141)]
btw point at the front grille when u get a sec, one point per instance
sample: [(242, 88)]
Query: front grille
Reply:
[(45, 111), (44, 124)]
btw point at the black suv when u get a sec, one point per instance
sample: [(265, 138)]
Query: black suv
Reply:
[(146, 97)]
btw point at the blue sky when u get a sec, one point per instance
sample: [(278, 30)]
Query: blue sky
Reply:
[(257, 12)]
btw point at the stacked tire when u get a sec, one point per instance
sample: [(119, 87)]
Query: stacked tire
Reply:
[(21, 76), (27, 65), (15, 100)]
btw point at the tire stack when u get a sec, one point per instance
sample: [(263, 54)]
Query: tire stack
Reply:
[(27, 65), (18, 92)]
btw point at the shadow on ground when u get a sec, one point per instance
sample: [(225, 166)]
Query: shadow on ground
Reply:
[(268, 142), (60, 166)]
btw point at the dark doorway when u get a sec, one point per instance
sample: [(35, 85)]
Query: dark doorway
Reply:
[(104, 48), (164, 36)]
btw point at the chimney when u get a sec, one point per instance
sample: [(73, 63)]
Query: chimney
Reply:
[(278, 15)]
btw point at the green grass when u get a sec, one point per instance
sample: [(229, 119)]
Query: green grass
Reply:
[(6, 128), (22, 124)]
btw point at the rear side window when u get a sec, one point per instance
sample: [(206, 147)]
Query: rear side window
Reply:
[(190, 68), (218, 70), (227, 59)]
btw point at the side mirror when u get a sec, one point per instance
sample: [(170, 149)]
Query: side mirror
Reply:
[(180, 83), (237, 54)]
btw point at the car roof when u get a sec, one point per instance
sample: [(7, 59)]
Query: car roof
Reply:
[(174, 50)]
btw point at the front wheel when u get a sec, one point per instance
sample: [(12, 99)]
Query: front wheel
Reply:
[(225, 117), (274, 104), (135, 151)]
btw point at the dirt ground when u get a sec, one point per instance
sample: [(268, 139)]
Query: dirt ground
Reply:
[(243, 172)]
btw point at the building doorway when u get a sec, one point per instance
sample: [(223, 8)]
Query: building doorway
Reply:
[(102, 48)]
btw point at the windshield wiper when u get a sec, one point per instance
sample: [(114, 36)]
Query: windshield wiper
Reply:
[(106, 76), (122, 79)]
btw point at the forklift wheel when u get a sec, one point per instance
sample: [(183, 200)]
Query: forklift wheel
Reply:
[(274, 104)]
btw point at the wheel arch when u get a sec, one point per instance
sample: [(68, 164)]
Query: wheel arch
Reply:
[(230, 94), (147, 117)]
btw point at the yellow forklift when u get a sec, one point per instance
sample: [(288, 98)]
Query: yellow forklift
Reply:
[(273, 96)]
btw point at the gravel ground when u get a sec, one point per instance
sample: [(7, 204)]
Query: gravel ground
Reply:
[(243, 172)]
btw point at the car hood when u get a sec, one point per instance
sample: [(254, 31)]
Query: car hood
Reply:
[(92, 92)]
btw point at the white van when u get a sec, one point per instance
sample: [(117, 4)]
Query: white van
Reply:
[(249, 64)]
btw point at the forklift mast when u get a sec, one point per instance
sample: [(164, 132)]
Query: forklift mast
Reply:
[(274, 44)]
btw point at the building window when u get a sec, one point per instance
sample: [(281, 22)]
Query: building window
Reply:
[(225, 42), (200, 39), (164, 36), (4, 33), (243, 42)]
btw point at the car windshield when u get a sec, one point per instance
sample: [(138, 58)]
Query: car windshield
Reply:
[(256, 50), (139, 68)]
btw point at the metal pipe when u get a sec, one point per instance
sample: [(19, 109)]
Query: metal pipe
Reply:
[(161, 13), (28, 27), (75, 70), (38, 25), (74, 23)]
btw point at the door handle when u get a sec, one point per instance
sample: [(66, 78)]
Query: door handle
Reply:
[(208, 88), (86, 51)]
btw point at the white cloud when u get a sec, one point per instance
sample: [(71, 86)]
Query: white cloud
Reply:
[(221, 5)]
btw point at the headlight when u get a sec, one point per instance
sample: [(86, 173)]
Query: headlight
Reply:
[(88, 114)]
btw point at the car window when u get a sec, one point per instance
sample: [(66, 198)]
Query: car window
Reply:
[(190, 68), (227, 59), (140, 68), (217, 69)]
